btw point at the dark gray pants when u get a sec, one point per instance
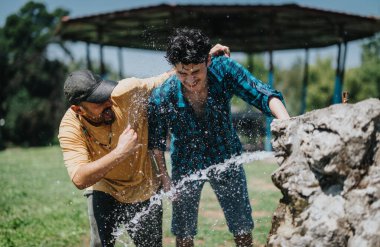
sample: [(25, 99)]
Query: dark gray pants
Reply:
[(106, 213)]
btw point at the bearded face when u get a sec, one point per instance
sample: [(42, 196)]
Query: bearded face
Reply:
[(98, 113)]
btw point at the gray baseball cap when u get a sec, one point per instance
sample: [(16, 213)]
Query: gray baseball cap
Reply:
[(83, 85)]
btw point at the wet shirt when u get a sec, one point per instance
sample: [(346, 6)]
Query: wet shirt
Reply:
[(199, 142), (134, 179)]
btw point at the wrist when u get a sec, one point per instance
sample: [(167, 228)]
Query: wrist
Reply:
[(117, 155), (165, 176)]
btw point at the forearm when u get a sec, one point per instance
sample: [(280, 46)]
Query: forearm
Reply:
[(159, 79), (92, 172), (159, 156), (278, 109)]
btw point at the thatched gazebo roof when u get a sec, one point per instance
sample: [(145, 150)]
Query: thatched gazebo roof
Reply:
[(246, 28)]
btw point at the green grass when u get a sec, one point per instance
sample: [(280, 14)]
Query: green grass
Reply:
[(39, 206)]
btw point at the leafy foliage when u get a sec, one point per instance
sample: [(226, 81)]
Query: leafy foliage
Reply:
[(289, 83), (321, 84), (31, 84), (364, 82)]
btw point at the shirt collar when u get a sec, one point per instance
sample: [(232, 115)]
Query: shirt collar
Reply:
[(181, 99)]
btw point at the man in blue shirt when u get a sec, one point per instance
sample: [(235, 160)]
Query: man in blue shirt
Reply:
[(195, 107)]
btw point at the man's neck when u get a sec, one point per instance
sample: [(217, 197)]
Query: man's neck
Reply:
[(197, 100), (196, 97)]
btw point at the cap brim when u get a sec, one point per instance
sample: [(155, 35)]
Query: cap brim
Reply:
[(102, 92)]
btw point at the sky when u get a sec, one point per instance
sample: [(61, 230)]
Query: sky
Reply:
[(148, 63)]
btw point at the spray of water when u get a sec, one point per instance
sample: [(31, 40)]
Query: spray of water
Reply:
[(216, 170)]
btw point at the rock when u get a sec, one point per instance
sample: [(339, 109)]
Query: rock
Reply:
[(329, 176)]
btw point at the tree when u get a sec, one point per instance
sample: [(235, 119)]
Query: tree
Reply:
[(364, 82), (31, 84), (289, 82), (321, 84), (361, 82)]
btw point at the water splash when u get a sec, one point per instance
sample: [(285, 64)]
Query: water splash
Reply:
[(216, 170)]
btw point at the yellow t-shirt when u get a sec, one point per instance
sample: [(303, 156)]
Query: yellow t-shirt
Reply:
[(135, 179)]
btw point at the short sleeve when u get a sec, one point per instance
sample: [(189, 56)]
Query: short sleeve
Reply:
[(73, 145)]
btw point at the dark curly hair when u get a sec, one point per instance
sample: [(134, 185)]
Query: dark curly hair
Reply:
[(187, 46)]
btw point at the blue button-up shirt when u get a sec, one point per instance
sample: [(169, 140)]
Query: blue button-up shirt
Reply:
[(199, 142)]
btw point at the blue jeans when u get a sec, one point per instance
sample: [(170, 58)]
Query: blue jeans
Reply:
[(230, 188)]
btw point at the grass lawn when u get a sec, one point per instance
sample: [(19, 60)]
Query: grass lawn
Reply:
[(39, 206)]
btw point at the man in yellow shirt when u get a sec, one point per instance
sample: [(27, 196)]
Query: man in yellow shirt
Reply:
[(104, 136)]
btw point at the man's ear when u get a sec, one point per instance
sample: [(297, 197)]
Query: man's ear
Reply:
[(208, 60), (77, 109)]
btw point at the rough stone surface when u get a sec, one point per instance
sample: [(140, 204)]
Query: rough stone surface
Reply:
[(329, 176)]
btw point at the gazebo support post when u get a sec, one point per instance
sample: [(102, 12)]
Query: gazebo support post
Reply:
[(121, 62), (100, 41), (305, 82), (343, 65), (88, 56), (268, 145), (340, 69)]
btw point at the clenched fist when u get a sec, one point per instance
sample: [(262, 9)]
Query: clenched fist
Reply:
[(127, 144)]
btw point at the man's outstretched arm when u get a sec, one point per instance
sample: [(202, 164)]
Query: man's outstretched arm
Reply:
[(278, 109), (159, 157)]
